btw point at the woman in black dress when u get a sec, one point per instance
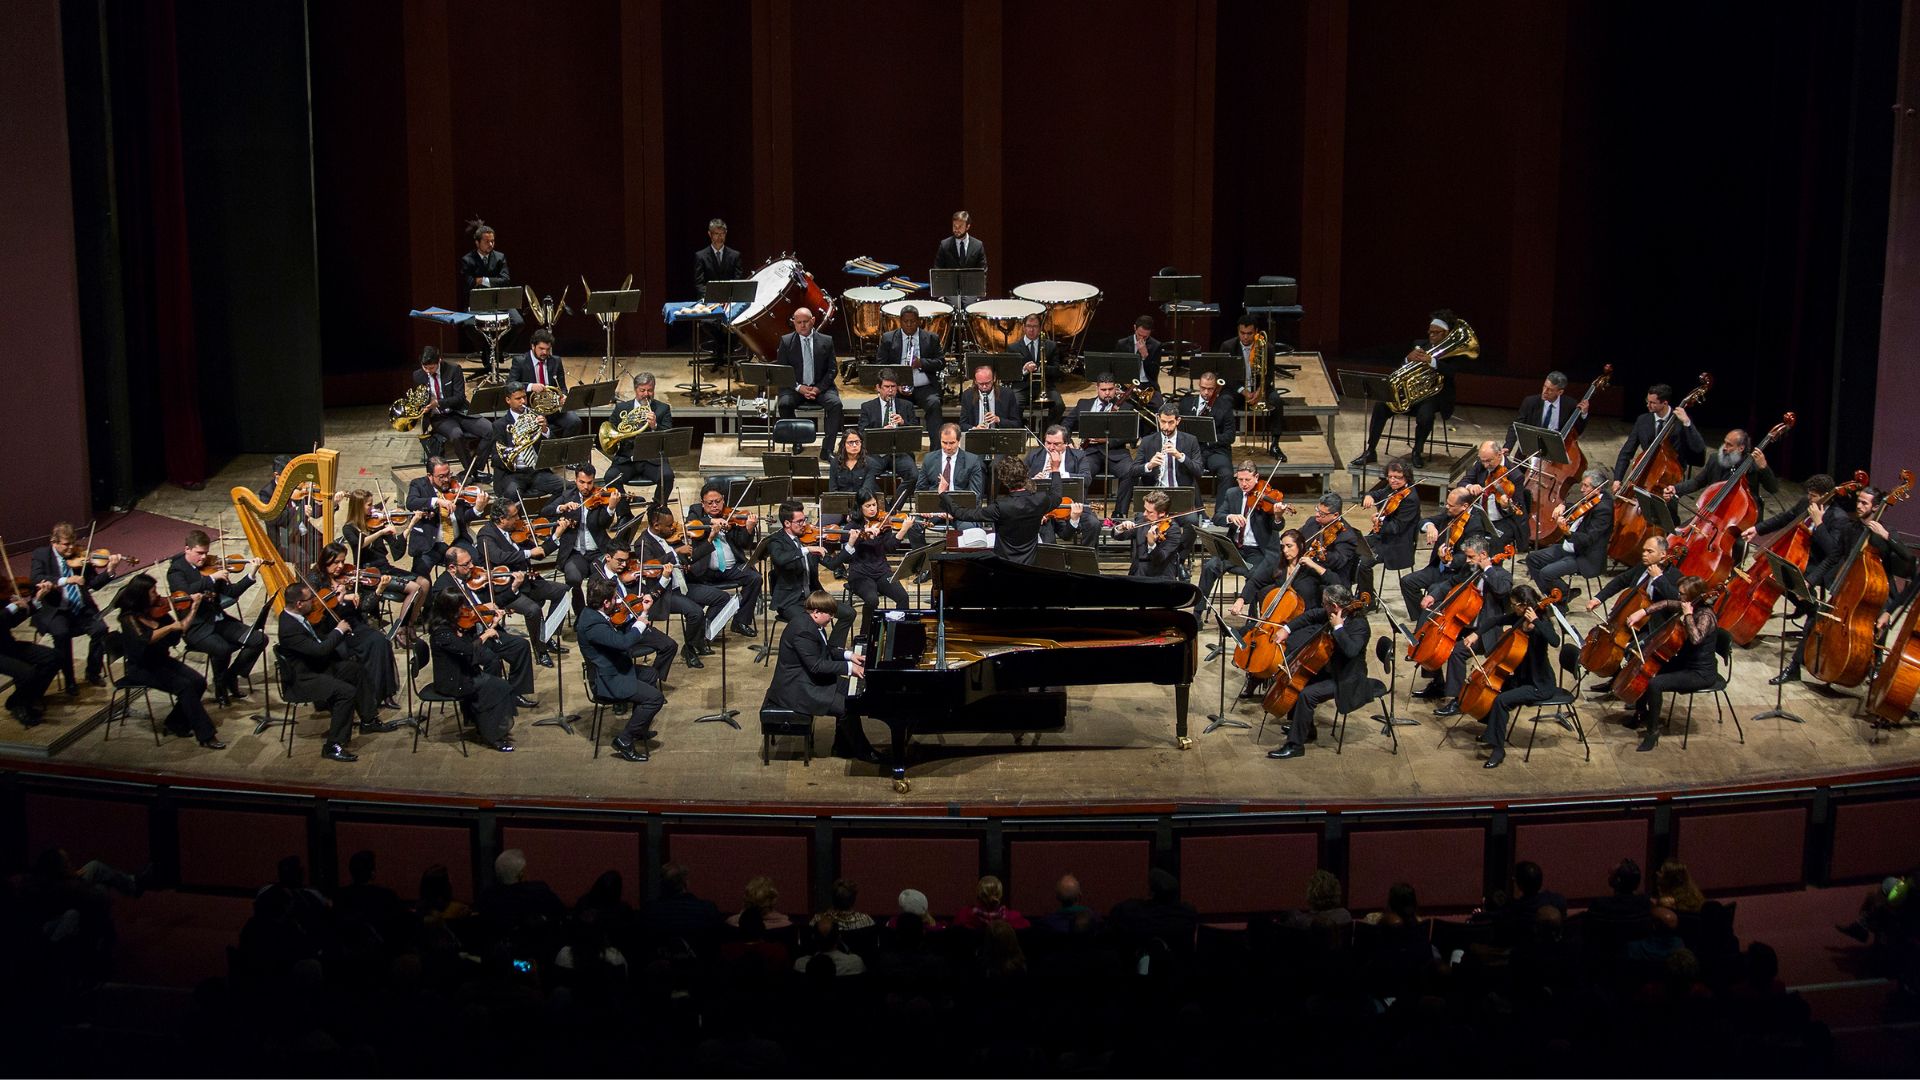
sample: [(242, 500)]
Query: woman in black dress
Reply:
[(335, 570), (853, 471), (869, 542), (148, 631), (1692, 668)]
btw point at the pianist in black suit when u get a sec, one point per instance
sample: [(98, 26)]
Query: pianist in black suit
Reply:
[(888, 411), (539, 368), (1344, 679), (795, 572), (1159, 540), (912, 347), (1016, 516), (811, 674), (810, 355), (1148, 348), (961, 251), (716, 261), (1043, 368), (459, 432)]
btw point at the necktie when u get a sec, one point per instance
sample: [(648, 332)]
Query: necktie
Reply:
[(1166, 463), (886, 412), (436, 387), (946, 470), (1552, 418), (720, 553), (913, 348), (540, 372), (806, 359), (983, 410), (75, 597)]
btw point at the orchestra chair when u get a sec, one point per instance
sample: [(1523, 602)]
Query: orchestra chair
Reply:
[(290, 698), (120, 704), (1383, 652), (1722, 654), (602, 705), (1566, 694), (776, 722), (795, 433), (429, 698)]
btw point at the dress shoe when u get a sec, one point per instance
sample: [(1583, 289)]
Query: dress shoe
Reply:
[(1365, 459), (1572, 595), (1250, 691), (1435, 689), (693, 659), (1649, 740), (378, 726), (1493, 761), (1280, 454), (221, 700), (390, 703), (525, 702), (336, 752), (1600, 687), (237, 693), (1419, 459), (626, 751), (555, 647), (213, 743), (1287, 751), (1787, 676), (1449, 707), (705, 648), (746, 630), (923, 577), (96, 679), (505, 746), (73, 690), (25, 716)]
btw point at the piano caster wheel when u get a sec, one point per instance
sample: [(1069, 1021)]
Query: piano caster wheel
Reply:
[(902, 785), (1184, 743)]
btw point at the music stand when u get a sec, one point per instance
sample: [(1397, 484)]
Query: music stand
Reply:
[(1201, 428), (661, 445), (917, 562), (770, 380), (763, 651), (902, 441), (1370, 387), (1179, 499), (558, 453), (561, 718), (502, 301), (1271, 300), (928, 502), (487, 399), (608, 305), (1220, 545), (990, 443), (870, 374), (1793, 583), (957, 287), (1540, 442), (1125, 367), (767, 490), (837, 502), (586, 397), (1388, 720), (1654, 509), (1073, 558), (727, 294), (1176, 289)]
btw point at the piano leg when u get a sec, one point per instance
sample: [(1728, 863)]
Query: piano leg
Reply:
[(898, 761), (1180, 718)]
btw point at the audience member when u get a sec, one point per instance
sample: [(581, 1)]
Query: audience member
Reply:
[(677, 920), (989, 908), (1675, 888), (1072, 911), (831, 947), (760, 897)]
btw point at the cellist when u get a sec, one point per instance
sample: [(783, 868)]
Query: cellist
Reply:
[(1583, 547), (1651, 575), (1344, 678), (1692, 668), (1460, 513), (1495, 583), (1291, 570), (1692, 448), (1391, 541), (1533, 680)]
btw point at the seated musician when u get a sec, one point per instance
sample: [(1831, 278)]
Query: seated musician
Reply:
[(586, 516), (1652, 576), (1583, 550), (1506, 514), (910, 346), (1533, 681), (1016, 516), (231, 646), (811, 674), (1166, 458), (1344, 679), (1289, 570), (1216, 457), (466, 665), (1148, 348), (149, 629), (951, 468), (987, 404), (1721, 465), (608, 650), (1692, 448), (326, 670), (1252, 533), (890, 410), (624, 466), (540, 369), (1442, 564), (68, 610), (794, 573), (1425, 410), (1818, 489), (506, 543), (1548, 409), (349, 602), (467, 580), (459, 432), (380, 537), (1238, 376), (1055, 460), (815, 372), (1041, 367), (1390, 544), (1338, 557), (869, 542), (1159, 540), (441, 517), (619, 569), (696, 604), (31, 666), (1105, 460), (853, 471), (519, 474), (294, 531), (720, 558), (1495, 583), (1842, 519), (1692, 668)]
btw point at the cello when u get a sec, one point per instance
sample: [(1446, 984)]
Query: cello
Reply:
[(1549, 481), (1661, 645), (1259, 652), (1895, 682), (1485, 682), (1725, 510), (1306, 659), (1753, 593), (1840, 645), (1605, 648), (1433, 643), (1655, 468)]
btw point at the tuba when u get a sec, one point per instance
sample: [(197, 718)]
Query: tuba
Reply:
[(635, 421), (546, 401), (1262, 363), (526, 434), (1417, 380), (406, 412)]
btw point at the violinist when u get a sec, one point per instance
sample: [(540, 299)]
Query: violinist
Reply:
[(1338, 556), (380, 539), (1533, 681), (149, 628), (696, 604), (887, 411), (1159, 540), (517, 475), (1692, 448), (720, 558), (584, 515), (609, 650), (1016, 516), (1424, 412), (795, 572), (1506, 510), (869, 542), (441, 516), (336, 573), (1734, 450), (1251, 530), (1583, 549), (31, 666), (1549, 409), (231, 646), (1692, 668), (466, 581), (621, 571), (1444, 564), (1390, 543), (625, 467), (467, 666), (1344, 679), (325, 671), (852, 471), (1167, 458), (540, 369), (458, 431), (1496, 585), (1080, 526), (506, 543), (68, 611)]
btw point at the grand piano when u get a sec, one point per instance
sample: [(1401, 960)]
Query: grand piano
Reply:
[(1002, 638)]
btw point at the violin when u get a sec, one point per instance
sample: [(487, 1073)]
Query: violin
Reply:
[(1654, 468), (1753, 593), (232, 564), (1660, 646), (470, 494), (728, 518), (1265, 498), (1317, 547), (1456, 528), (1549, 482), (1433, 643), (1501, 488), (100, 559), (1387, 507), (1840, 647), (629, 608), (1725, 510), (537, 530), (1485, 682), (472, 615), (1259, 651), (827, 537), (1305, 660), (1584, 506), (323, 609), (601, 496)]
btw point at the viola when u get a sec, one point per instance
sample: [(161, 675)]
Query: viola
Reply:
[(1317, 547), (1305, 660), (1456, 528), (1840, 648), (727, 518), (1259, 651), (532, 530), (1654, 468), (1656, 650), (827, 537), (1485, 682), (1433, 643), (323, 609), (1753, 593), (601, 496), (471, 494), (1726, 509), (1265, 498), (1550, 482), (472, 615)]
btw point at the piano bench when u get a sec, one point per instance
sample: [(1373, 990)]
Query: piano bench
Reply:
[(775, 722)]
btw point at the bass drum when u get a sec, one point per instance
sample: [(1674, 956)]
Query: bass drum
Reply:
[(864, 304), (934, 316), (783, 287), (996, 323), (1070, 305)]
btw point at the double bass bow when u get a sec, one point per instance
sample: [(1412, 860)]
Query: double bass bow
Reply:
[(1306, 659), (1433, 643), (1655, 468), (1724, 511), (1840, 644), (1753, 593), (1549, 482), (1485, 681)]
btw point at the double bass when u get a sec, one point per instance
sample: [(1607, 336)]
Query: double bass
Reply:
[(1306, 659), (1433, 643), (1656, 467), (1485, 682), (1840, 646), (1724, 511), (1753, 593), (1661, 645), (1549, 482), (1895, 682)]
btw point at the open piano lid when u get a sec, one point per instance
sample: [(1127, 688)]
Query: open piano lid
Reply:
[(977, 580)]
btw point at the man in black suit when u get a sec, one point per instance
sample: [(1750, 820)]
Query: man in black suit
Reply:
[(519, 474), (441, 518), (961, 251), (1215, 458), (231, 646), (1250, 530), (484, 267), (30, 666), (1016, 516), (608, 651), (584, 532), (1692, 448), (1109, 460), (1055, 460), (1391, 541), (68, 610), (716, 261), (1507, 516), (1156, 554), (695, 603), (1167, 458), (1734, 450), (447, 417), (1653, 575), (912, 347), (1340, 559), (1344, 679), (988, 404), (811, 674), (810, 355), (540, 369), (502, 650), (1041, 366), (885, 412), (617, 564), (720, 559), (325, 672), (1441, 571), (1583, 550), (1424, 412), (1550, 409), (1496, 582), (951, 468), (795, 572), (1148, 348), (624, 465), (1237, 375), (532, 598)]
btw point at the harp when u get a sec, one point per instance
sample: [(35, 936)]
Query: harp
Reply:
[(269, 530)]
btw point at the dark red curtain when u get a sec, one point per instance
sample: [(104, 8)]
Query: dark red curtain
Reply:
[(172, 276)]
